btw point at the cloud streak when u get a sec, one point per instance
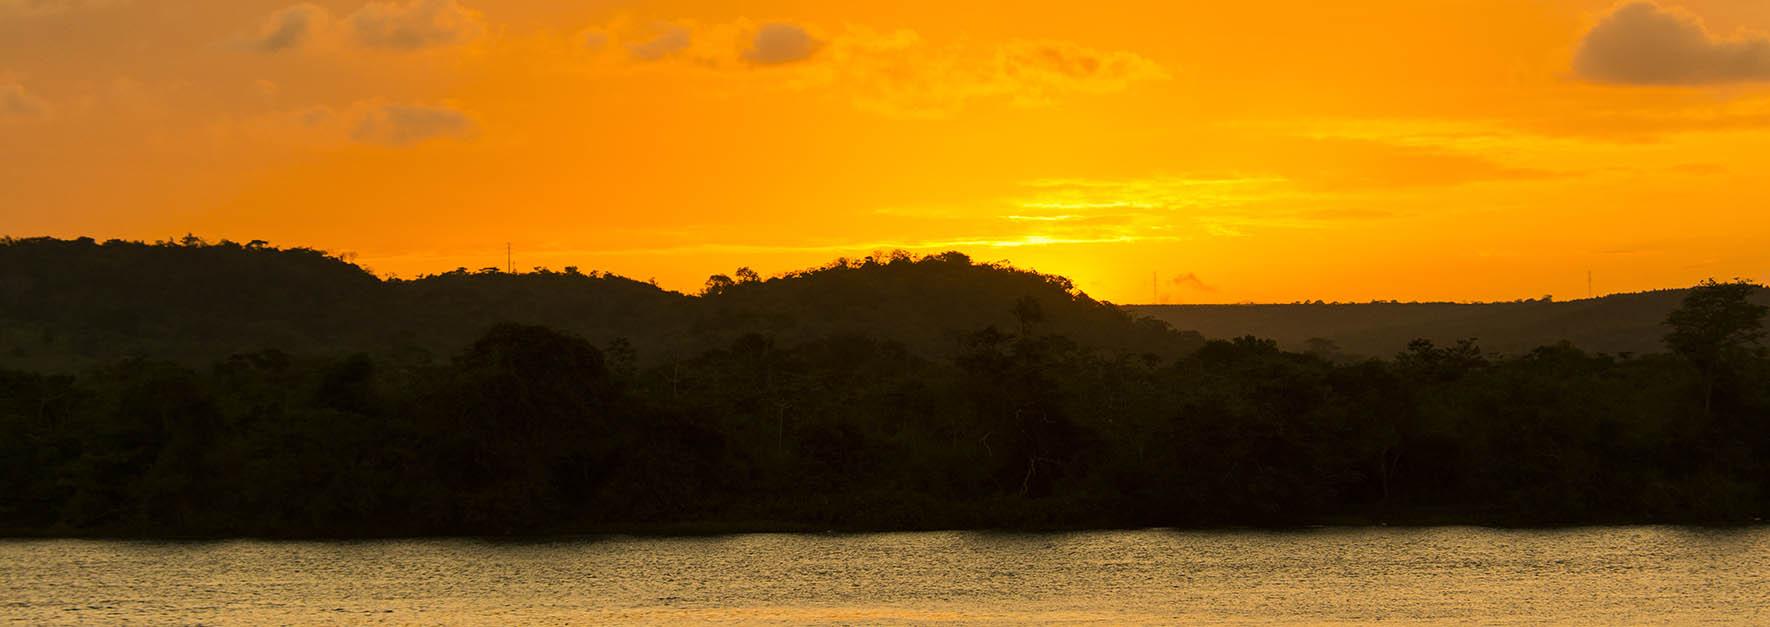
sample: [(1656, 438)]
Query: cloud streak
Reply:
[(1165, 193), (375, 122), (28, 8), (408, 124), (669, 40), (1005, 242), (898, 73), (901, 75)]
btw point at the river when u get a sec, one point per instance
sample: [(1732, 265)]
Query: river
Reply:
[(1434, 575)]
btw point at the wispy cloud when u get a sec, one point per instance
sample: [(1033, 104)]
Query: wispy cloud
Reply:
[(895, 73), (415, 24), (1186, 206), (407, 124), (372, 121), (406, 26), (667, 41), (18, 103), (1159, 192), (863, 246), (289, 28), (28, 8), (900, 74)]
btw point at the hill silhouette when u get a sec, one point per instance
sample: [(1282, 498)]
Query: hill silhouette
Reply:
[(1615, 324), (67, 304), (194, 389)]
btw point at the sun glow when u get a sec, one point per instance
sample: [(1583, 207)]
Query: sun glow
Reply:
[(1392, 149)]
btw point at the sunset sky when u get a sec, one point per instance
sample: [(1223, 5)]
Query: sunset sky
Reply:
[(1272, 150)]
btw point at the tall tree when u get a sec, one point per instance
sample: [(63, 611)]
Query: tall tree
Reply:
[(1715, 327)]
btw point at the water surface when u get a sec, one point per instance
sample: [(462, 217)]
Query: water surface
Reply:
[(1446, 575)]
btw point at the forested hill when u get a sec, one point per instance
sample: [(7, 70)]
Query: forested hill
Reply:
[(289, 393), (72, 304), (1616, 324)]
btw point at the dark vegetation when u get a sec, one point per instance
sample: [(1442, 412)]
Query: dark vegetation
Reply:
[(190, 389), (1615, 324), (70, 305)]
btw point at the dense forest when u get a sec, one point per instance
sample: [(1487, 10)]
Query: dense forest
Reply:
[(67, 305), (195, 389)]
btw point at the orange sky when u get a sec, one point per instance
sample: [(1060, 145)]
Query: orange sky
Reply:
[(1272, 150)]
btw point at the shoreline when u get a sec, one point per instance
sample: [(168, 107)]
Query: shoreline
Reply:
[(709, 530)]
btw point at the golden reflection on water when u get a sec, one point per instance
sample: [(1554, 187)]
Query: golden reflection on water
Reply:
[(1445, 575)]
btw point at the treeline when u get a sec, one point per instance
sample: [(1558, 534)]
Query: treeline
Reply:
[(1615, 324), (69, 305), (529, 430)]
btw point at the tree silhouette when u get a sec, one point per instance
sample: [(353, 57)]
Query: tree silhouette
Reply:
[(1716, 327), (717, 284), (894, 392)]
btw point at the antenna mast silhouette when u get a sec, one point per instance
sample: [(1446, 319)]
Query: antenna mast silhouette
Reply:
[(509, 260)]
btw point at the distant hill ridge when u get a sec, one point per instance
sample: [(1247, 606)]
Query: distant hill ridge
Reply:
[(1618, 323), (75, 303), (68, 304)]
